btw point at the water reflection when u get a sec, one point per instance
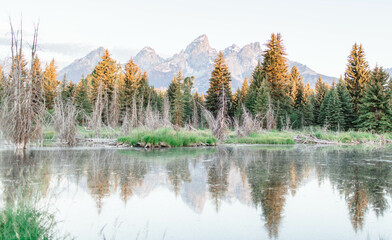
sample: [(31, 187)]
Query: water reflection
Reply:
[(263, 178)]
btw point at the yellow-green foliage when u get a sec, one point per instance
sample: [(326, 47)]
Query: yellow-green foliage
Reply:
[(169, 136)]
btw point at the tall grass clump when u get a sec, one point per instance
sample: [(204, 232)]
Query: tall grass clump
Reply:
[(168, 136), (26, 222)]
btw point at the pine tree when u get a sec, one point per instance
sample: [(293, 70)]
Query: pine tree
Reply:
[(309, 106), (37, 79), (374, 110), (23, 65), (262, 99), (50, 84), (331, 111), (321, 89), (188, 100), (144, 89), (258, 76), (347, 105), (131, 84), (276, 69), (175, 95), (105, 73), (322, 116), (308, 113), (236, 103), (67, 90), (356, 75), (83, 100), (298, 98), (103, 81), (239, 98), (220, 82), (178, 107)]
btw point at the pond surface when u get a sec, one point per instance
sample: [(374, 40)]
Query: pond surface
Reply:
[(227, 192)]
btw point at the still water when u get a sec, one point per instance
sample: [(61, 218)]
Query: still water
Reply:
[(227, 192)]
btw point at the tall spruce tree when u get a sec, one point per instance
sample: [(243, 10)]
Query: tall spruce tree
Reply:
[(357, 74), (37, 78), (260, 106), (50, 84), (374, 110), (220, 82), (258, 76), (67, 90), (276, 69), (175, 95), (321, 89), (308, 114), (347, 105), (104, 82), (239, 98), (188, 100), (21, 60), (131, 84), (331, 111), (105, 73), (83, 100), (298, 98)]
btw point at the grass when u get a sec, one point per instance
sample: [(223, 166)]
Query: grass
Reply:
[(347, 137), (271, 137), (26, 222), (277, 137), (189, 138), (169, 136), (105, 132)]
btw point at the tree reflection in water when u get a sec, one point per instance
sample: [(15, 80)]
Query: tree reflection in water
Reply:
[(262, 177)]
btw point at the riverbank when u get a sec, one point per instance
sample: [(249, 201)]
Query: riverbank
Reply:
[(169, 137)]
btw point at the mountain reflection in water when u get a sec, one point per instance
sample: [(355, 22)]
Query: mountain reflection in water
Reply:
[(261, 178)]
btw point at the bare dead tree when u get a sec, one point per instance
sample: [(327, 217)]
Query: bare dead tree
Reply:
[(219, 124), (95, 122), (286, 124), (141, 112), (126, 123), (166, 111), (149, 115), (114, 108), (195, 116), (250, 124), (65, 121), (152, 117), (134, 112), (23, 105), (270, 116)]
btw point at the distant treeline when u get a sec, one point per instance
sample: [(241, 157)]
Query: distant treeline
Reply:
[(361, 99)]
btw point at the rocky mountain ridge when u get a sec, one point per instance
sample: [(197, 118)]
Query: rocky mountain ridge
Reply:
[(196, 60)]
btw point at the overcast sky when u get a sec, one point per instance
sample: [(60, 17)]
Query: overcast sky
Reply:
[(318, 33)]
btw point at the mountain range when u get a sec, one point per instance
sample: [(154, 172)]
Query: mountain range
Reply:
[(196, 60)]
